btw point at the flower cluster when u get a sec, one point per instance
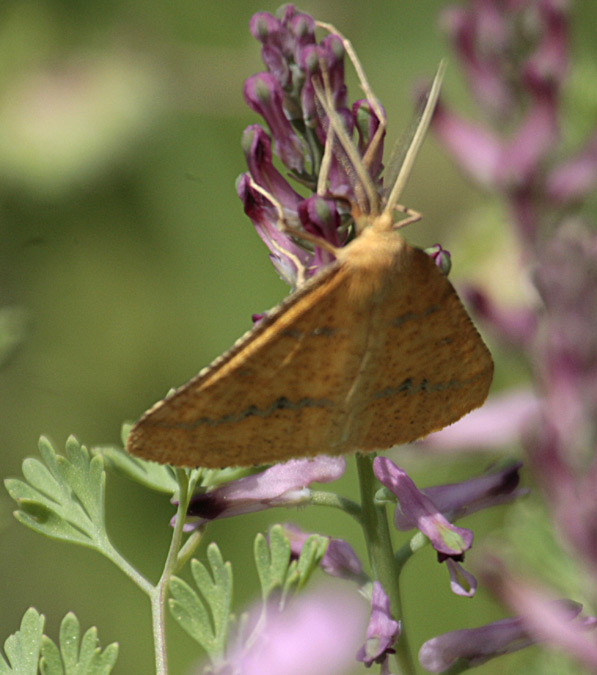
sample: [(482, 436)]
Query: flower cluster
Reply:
[(514, 55), (286, 96)]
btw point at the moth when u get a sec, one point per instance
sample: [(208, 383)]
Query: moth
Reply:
[(374, 350)]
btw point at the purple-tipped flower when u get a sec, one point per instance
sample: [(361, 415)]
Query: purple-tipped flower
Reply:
[(474, 646), (575, 178), (264, 95), (280, 485), (476, 150), (382, 631), (441, 257), (457, 500), (339, 560), (448, 540), (479, 34)]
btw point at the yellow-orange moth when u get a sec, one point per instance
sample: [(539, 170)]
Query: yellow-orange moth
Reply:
[(375, 350)]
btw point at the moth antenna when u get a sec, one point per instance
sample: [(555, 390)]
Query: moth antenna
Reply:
[(354, 59), (415, 145), (326, 162), (348, 146), (367, 90), (284, 226), (371, 152)]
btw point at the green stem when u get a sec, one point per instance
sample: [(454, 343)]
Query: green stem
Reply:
[(160, 592), (403, 554), (381, 555), (123, 564), (322, 498)]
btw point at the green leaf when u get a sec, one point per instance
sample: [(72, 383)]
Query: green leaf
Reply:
[(272, 560), (206, 616), (22, 648), (277, 572), (312, 552), (62, 497), (50, 663), (158, 477), (76, 655), (216, 588)]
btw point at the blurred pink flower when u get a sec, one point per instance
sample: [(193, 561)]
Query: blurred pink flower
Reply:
[(498, 423), (315, 634)]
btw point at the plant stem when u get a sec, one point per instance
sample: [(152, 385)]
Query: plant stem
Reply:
[(322, 498), (160, 592), (381, 555)]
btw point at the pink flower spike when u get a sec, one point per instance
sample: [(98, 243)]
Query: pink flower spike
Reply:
[(574, 178), (280, 485), (476, 150), (382, 631), (535, 138), (447, 539)]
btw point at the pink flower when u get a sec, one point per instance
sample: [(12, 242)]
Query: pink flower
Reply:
[(498, 423), (316, 634), (382, 631), (280, 485), (447, 539)]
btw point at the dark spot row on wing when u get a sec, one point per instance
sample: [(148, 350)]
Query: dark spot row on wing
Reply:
[(284, 403), (411, 388), (281, 403), (410, 316)]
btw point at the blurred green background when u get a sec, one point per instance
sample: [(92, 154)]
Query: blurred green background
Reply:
[(127, 265)]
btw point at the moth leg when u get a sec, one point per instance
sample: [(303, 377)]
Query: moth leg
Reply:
[(412, 216)]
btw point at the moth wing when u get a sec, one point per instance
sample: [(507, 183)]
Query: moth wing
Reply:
[(276, 394), (436, 367)]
